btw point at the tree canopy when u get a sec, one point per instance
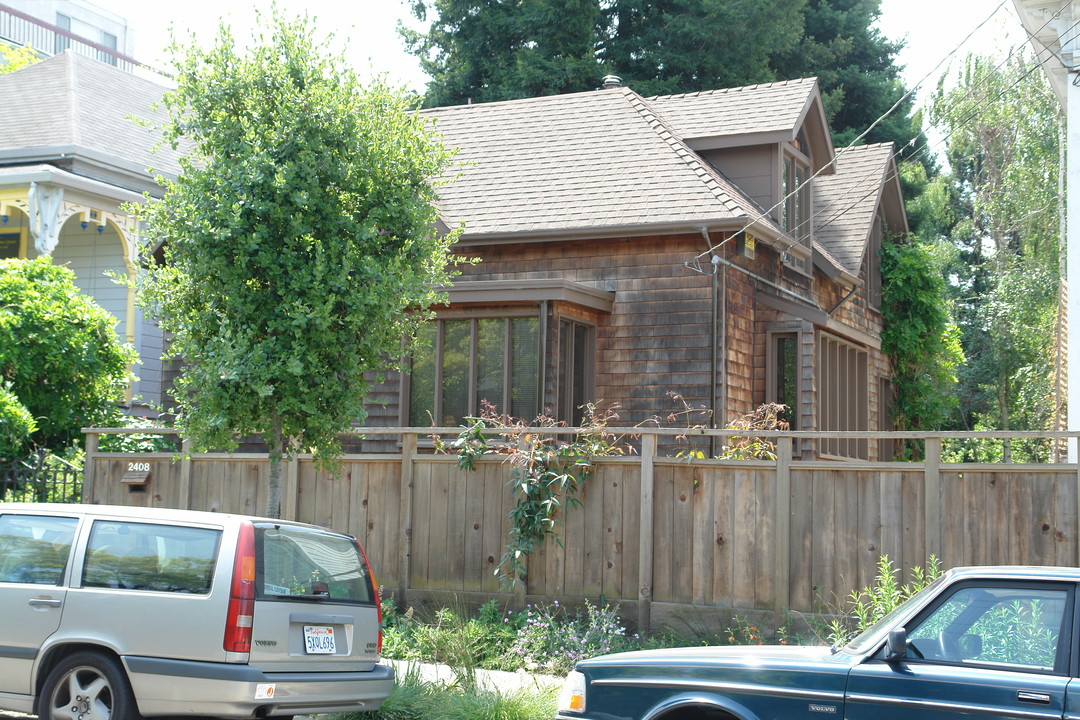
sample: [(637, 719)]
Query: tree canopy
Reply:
[(996, 216), (487, 50), (62, 366), (299, 241)]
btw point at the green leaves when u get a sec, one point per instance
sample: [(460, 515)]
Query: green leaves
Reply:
[(59, 356), (299, 243)]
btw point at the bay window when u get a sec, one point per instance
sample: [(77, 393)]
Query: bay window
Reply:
[(462, 363)]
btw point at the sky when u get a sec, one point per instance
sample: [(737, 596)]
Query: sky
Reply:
[(931, 29)]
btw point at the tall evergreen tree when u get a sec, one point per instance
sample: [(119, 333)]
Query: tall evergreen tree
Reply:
[(663, 47), (856, 69), (487, 50)]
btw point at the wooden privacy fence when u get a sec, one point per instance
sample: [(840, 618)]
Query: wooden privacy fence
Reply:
[(657, 535)]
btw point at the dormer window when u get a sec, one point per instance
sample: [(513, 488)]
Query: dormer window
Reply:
[(795, 209)]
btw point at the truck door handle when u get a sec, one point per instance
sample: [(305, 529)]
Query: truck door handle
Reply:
[(45, 602), (1037, 698)]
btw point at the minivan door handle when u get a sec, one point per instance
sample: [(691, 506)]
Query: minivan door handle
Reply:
[(45, 602), (1038, 698)]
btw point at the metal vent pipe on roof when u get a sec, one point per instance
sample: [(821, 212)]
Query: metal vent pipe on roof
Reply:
[(611, 81)]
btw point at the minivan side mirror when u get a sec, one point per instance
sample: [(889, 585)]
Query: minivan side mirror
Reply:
[(896, 645)]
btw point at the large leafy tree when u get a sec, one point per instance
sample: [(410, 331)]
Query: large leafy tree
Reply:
[(299, 241), (1003, 128), (62, 366)]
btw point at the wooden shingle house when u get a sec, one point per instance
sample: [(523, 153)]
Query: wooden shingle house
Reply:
[(713, 244)]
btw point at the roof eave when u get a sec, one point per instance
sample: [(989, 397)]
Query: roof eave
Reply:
[(66, 179), (760, 230)]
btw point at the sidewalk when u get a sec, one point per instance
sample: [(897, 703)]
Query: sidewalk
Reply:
[(488, 679)]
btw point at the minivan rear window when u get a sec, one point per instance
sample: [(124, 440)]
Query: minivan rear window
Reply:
[(148, 556), (295, 563)]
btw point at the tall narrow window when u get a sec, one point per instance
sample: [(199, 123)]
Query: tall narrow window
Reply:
[(784, 376), (463, 363), (575, 363), (843, 395)]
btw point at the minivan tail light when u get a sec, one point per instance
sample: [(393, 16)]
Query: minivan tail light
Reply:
[(374, 593), (241, 612)]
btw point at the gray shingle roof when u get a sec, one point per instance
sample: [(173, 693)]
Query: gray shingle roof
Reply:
[(754, 109), (845, 203), (70, 99), (581, 162)]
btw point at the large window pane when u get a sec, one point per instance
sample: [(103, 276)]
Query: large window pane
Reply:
[(422, 379), (525, 368), (575, 348), (786, 378), (490, 362), (1011, 626), (456, 352), (144, 556)]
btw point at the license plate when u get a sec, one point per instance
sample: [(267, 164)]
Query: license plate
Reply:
[(319, 640)]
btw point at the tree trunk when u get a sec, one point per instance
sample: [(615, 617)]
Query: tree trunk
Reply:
[(273, 495)]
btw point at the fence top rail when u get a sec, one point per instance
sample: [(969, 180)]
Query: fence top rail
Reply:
[(674, 432)]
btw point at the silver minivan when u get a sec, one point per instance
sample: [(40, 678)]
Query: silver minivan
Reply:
[(109, 613)]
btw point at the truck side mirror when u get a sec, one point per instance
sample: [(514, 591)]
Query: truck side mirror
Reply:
[(896, 645)]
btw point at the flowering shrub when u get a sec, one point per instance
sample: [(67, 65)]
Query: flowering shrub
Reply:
[(551, 641)]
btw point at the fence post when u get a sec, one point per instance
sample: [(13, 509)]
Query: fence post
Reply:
[(932, 501), (645, 535), (405, 513), (88, 467), (782, 527), (185, 474)]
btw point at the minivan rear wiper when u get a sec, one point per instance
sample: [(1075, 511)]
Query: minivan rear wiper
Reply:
[(315, 597)]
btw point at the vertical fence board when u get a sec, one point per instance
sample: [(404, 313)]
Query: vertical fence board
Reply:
[(724, 512), (663, 530), (682, 534), (801, 539), (612, 568), (704, 530)]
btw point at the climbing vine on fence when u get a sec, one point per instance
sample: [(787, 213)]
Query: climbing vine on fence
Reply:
[(547, 472)]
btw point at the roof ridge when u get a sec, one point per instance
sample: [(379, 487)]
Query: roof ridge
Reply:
[(525, 100), (737, 88)]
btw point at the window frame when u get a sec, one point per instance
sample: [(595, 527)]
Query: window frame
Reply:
[(1063, 656), (796, 199), (774, 365), (843, 397), (568, 405), (508, 315)]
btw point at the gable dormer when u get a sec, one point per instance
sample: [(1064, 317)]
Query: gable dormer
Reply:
[(769, 140)]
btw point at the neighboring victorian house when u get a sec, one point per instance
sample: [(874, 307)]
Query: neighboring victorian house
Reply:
[(712, 244), (70, 157)]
